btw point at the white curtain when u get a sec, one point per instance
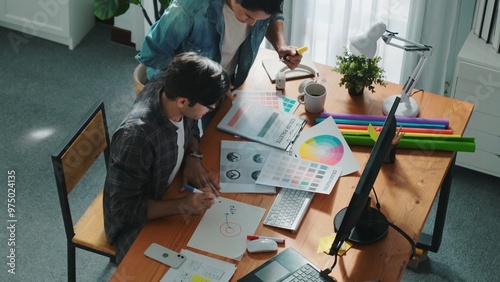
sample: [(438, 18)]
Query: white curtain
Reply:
[(325, 26), (434, 23)]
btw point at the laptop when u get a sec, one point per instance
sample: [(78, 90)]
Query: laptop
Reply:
[(285, 266)]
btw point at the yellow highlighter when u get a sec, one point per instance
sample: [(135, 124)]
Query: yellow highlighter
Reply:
[(298, 50), (301, 50)]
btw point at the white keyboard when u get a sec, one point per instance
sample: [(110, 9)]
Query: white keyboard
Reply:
[(288, 209)]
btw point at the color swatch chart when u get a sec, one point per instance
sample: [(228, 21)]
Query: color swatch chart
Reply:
[(271, 99), (289, 104), (282, 170)]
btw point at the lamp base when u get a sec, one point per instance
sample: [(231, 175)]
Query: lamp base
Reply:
[(402, 110)]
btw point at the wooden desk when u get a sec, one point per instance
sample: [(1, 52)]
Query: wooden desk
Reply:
[(406, 190)]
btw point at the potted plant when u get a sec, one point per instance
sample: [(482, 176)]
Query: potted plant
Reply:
[(359, 72), (106, 9)]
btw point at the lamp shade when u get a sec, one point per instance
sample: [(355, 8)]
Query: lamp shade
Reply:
[(365, 44)]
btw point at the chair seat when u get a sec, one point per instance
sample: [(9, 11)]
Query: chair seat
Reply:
[(89, 230)]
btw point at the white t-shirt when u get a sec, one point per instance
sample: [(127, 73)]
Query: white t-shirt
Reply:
[(180, 151), (235, 33)]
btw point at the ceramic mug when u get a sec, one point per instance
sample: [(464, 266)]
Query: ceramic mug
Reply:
[(313, 98)]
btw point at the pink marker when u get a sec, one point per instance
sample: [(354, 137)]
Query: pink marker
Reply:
[(255, 237)]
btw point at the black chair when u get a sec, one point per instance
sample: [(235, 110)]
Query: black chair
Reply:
[(71, 162)]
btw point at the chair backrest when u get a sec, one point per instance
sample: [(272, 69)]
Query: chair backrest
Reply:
[(140, 78), (77, 154)]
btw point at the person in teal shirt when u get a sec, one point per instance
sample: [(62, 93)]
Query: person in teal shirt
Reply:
[(226, 31)]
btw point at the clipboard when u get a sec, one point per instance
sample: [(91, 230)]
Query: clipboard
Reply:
[(262, 124)]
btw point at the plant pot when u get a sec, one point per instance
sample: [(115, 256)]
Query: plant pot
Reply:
[(353, 92)]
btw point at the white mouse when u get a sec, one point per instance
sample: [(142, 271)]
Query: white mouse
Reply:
[(261, 245)]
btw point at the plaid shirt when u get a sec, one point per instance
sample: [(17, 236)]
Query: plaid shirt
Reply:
[(143, 155)]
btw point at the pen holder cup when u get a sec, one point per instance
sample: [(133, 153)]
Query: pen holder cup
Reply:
[(390, 158)]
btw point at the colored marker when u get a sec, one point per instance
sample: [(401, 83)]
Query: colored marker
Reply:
[(192, 189), (255, 237), (299, 51)]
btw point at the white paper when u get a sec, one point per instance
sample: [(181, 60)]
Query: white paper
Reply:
[(325, 144), (196, 264), (224, 228), (287, 171), (240, 166)]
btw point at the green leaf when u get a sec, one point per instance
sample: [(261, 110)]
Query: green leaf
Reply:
[(106, 9)]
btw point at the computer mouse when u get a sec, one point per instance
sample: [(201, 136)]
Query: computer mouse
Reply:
[(261, 245)]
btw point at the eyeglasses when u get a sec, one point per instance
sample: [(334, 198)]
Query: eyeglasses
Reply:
[(209, 107)]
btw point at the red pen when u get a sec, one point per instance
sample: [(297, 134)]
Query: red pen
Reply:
[(255, 237)]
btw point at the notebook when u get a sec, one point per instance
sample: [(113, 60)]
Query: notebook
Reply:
[(273, 66), (282, 267)]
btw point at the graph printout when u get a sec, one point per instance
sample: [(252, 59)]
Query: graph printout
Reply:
[(240, 166)]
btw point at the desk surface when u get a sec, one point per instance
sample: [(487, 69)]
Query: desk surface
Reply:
[(406, 191)]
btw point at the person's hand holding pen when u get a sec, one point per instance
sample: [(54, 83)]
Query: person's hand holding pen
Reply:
[(195, 173), (291, 56), (199, 200)]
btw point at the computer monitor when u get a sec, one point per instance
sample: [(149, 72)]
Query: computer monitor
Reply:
[(358, 222)]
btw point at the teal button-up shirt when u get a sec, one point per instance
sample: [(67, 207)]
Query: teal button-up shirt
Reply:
[(193, 25)]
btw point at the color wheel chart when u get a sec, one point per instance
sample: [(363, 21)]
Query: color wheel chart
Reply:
[(326, 149), (271, 99), (325, 144)]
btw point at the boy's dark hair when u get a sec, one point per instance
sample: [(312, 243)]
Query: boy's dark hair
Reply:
[(197, 78), (270, 7)]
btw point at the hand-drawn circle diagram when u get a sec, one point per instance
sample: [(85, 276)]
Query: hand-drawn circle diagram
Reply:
[(230, 229)]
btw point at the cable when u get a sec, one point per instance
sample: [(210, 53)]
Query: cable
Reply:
[(327, 271), (416, 91), (394, 226), (413, 245)]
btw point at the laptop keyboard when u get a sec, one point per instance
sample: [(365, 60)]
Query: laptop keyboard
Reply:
[(288, 208), (306, 273)]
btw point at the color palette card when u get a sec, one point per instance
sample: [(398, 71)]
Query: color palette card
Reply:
[(283, 170), (325, 144), (271, 99), (289, 104)]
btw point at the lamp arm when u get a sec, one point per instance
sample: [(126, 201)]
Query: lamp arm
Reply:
[(424, 51), (411, 46), (408, 86)]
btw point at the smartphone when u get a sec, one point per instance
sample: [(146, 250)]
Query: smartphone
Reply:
[(164, 255)]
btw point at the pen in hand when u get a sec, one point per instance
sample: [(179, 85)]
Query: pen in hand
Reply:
[(192, 189), (195, 190)]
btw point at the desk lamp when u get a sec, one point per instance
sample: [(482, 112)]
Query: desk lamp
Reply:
[(366, 45)]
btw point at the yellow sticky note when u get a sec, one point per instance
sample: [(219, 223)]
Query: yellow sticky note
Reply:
[(198, 278), (373, 132), (325, 243)]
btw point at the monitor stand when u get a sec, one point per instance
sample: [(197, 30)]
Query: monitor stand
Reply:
[(370, 228)]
